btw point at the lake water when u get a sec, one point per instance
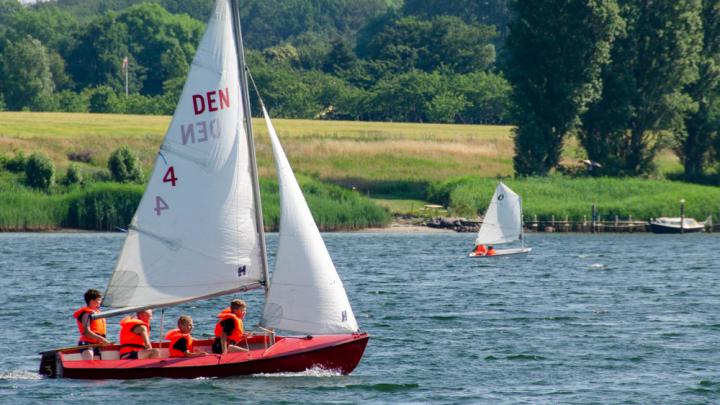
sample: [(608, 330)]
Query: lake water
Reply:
[(611, 318)]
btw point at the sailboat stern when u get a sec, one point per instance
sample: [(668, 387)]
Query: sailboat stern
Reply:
[(340, 353)]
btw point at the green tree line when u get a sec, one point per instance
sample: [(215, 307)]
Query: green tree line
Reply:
[(626, 77), (332, 59)]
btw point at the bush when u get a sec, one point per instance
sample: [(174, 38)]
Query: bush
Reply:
[(124, 166), (73, 175), (16, 164), (39, 171), (103, 99)]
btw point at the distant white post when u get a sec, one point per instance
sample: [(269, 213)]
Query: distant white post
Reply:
[(125, 70)]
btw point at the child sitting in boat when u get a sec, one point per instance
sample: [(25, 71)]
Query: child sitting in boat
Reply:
[(92, 331), (135, 337), (181, 343), (229, 329), (490, 251), (480, 250)]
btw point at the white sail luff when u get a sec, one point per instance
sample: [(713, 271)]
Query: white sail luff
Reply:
[(194, 233), (502, 222), (306, 294)]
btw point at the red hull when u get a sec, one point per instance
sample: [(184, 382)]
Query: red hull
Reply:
[(288, 354)]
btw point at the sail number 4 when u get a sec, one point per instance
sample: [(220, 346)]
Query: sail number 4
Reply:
[(169, 177)]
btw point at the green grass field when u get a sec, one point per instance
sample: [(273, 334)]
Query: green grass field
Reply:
[(394, 164)]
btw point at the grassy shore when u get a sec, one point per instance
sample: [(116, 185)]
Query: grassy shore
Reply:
[(573, 198), (399, 166), (105, 206)]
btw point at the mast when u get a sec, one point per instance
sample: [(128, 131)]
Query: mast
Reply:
[(522, 224), (251, 143)]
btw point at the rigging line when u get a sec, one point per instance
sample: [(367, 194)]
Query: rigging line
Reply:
[(252, 80)]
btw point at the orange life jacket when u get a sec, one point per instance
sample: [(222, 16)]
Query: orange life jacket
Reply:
[(237, 333), (96, 325), (480, 249), (490, 252), (129, 340), (173, 336)]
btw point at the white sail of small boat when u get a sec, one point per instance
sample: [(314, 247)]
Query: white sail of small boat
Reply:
[(306, 294), (195, 233), (198, 233), (502, 222)]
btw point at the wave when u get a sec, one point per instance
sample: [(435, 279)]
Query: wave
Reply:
[(384, 387), (525, 357), (311, 372), (20, 375)]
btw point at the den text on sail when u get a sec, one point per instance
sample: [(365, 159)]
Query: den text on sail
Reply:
[(201, 131)]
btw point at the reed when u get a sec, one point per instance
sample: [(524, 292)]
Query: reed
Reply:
[(105, 206), (573, 197)]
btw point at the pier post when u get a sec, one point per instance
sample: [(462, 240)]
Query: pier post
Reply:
[(682, 216), (593, 218)]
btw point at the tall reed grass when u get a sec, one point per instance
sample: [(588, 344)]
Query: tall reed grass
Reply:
[(105, 206)]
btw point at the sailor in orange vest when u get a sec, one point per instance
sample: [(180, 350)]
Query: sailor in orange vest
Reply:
[(229, 329), (135, 337), (92, 331), (491, 251), (181, 343), (480, 250)]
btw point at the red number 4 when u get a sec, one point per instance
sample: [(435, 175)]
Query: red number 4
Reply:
[(170, 176)]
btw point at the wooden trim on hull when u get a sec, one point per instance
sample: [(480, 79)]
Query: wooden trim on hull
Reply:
[(342, 353)]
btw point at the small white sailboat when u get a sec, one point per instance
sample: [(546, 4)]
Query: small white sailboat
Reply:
[(198, 233), (502, 224)]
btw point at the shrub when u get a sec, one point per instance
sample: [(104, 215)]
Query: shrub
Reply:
[(103, 99), (124, 166), (16, 164), (39, 171), (73, 175)]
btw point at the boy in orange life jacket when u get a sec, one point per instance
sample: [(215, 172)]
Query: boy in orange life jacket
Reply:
[(181, 343), (480, 250), (229, 329), (135, 338), (92, 331), (491, 251)]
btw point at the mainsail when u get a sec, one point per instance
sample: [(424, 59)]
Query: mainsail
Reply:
[(306, 294), (195, 234), (502, 222)]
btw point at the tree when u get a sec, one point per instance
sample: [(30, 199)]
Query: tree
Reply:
[(73, 175), (643, 95), (487, 95), (340, 58), (555, 53), (103, 99), (411, 43), (701, 126), (97, 55), (27, 81), (124, 166), (39, 171)]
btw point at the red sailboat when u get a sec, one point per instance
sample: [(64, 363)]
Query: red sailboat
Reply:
[(198, 234)]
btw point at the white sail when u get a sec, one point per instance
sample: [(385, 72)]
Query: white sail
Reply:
[(194, 233), (306, 294), (502, 222)]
